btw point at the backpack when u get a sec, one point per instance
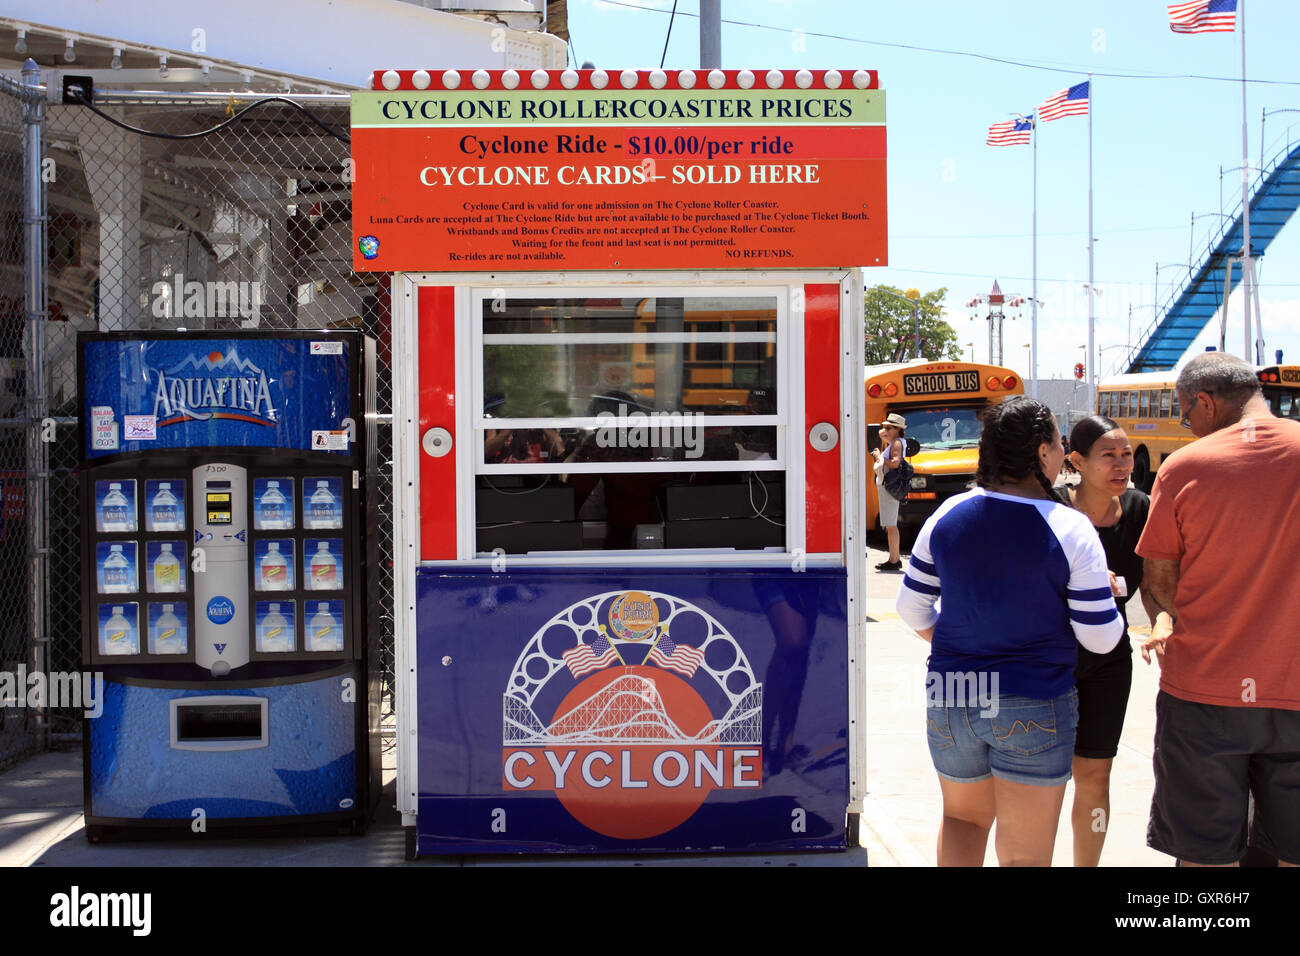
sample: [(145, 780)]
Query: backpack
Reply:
[(898, 481)]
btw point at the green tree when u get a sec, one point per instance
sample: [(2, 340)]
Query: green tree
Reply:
[(889, 326)]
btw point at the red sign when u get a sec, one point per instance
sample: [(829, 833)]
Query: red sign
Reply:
[(632, 177)]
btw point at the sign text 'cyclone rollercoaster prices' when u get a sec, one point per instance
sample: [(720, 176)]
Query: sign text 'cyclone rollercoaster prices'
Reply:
[(494, 179)]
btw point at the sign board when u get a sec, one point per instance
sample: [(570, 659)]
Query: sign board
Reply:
[(639, 170), (632, 709)]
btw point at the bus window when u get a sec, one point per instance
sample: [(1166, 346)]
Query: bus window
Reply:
[(1132, 404), (1164, 403), (1123, 404), (1144, 404), (944, 427), (1174, 410)]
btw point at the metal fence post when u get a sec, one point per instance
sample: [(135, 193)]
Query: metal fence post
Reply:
[(34, 230)]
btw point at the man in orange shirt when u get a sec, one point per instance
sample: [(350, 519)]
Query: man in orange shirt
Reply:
[(1220, 552)]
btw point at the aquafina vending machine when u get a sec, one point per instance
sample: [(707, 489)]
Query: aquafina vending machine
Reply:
[(228, 528)]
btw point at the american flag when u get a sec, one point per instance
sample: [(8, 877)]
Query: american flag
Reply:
[(1011, 133), (585, 658), (1068, 102), (1203, 16), (681, 658)]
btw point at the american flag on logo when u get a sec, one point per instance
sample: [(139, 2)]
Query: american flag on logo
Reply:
[(1203, 16), (672, 656), (1011, 133), (1068, 102), (585, 658)]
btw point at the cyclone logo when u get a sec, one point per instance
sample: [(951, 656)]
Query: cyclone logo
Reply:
[(632, 724)]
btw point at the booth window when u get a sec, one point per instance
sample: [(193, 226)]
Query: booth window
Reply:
[(629, 423)]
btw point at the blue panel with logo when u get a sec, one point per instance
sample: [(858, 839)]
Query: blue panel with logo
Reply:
[(143, 767), (599, 710), (144, 395)]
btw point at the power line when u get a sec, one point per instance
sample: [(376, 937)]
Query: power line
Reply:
[(1074, 70)]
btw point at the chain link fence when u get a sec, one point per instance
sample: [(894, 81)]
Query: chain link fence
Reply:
[(19, 733), (204, 211)]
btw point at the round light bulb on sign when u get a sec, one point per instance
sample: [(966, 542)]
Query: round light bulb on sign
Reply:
[(717, 79), (451, 79), (391, 80), (745, 79), (599, 79), (540, 79), (832, 79), (775, 78), (569, 79), (481, 79), (628, 79), (421, 79), (686, 79), (862, 79), (658, 79), (510, 79), (803, 79)]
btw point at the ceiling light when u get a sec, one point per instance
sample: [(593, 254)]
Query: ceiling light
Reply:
[(116, 62), (69, 51), (20, 45), (162, 65)]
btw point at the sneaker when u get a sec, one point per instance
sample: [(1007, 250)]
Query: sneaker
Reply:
[(889, 566)]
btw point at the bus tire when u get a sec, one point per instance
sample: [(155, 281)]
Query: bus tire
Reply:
[(1143, 478)]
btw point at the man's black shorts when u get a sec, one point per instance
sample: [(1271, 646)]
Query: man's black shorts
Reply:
[(1208, 761)]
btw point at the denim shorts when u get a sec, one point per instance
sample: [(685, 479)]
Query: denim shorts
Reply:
[(1019, 739)]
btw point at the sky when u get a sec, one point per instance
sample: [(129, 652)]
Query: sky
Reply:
[(960, 212)]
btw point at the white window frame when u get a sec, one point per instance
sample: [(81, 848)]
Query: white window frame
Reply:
[(787, 421)]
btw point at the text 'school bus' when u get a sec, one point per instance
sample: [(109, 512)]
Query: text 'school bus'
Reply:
[(942, 402), (1145, 405)]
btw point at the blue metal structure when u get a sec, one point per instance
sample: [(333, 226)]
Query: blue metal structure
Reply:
[(1275, 198)]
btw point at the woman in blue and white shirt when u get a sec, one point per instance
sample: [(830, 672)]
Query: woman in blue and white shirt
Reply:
[(1024, 583)]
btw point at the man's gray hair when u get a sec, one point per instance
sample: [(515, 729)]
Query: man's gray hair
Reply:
[(1219, 374)]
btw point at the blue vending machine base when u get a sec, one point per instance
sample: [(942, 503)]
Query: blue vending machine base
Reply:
[(165, 755), (604, 710)]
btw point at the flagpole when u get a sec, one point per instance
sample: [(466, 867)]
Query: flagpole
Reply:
[(1033, 320), (1092, 316), (1247, 264)]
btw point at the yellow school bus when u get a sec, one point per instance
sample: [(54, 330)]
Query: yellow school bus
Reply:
[(942, 402), (1145, 404)]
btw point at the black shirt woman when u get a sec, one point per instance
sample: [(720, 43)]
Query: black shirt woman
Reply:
[(1102, 456)]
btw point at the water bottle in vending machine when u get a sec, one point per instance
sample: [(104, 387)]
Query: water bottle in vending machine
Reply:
[(324, 633), (320, 509), (167, 637), (114, 510), (165, 510), (118, 636), (117, 570), (273, 508), (166, 569), (274, 569), (324, 570)]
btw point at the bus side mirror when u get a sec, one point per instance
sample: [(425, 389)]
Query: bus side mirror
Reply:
[(912, 446)]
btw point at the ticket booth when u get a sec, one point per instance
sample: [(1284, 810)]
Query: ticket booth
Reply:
[(629, 552)]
